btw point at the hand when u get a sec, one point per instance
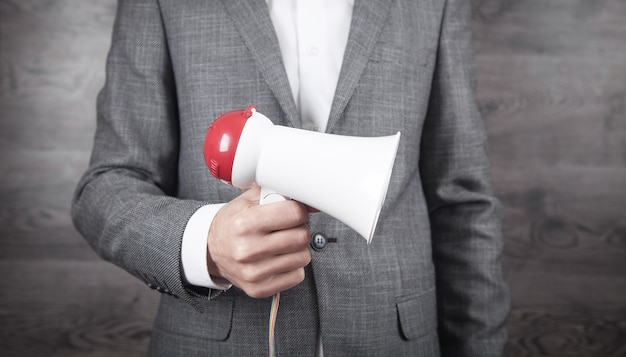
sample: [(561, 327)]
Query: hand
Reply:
[(262, 249)]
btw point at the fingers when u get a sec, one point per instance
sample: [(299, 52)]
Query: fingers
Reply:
[(261, 249), (278, 215), (276, 284), (272, 216), (272, 244), (269, 264), (265, 278)]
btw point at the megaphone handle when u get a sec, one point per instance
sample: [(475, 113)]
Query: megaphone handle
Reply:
[(270, 196)]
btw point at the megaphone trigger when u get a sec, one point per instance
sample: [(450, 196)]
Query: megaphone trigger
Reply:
[(270, 196)]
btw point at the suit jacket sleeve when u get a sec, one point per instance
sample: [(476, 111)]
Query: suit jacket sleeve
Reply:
[(124, 204), (472, 297)]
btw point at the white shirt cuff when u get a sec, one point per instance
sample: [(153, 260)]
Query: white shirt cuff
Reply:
[(194, 248)]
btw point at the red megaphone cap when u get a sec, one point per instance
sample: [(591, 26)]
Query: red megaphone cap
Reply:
[(220, 143)]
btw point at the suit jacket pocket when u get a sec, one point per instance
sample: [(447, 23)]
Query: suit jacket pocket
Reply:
[(417, 314)]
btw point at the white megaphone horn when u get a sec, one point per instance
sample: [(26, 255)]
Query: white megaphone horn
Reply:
[(344, 176)]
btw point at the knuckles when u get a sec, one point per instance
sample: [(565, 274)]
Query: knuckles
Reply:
[(302, 237), (241, 253), (259, 291), (241, 225), (298, 213), (250, 275)]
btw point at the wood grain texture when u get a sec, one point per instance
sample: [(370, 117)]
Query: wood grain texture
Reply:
[(552, 89), (68, 308), (58, 297)]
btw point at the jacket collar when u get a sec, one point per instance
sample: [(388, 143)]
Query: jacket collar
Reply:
[(255, 26)]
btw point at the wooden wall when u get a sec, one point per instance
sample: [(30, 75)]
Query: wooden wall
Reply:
[(552, 88), (57, 298)]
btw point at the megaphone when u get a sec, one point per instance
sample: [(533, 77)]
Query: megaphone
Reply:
[(344, 176)]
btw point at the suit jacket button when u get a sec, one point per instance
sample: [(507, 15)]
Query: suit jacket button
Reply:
[(318, 241)]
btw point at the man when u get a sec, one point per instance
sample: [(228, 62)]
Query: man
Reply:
[(429, 284)]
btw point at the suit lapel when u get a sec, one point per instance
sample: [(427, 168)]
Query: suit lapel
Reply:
[(368, 18), (256, 29), (255, 26)]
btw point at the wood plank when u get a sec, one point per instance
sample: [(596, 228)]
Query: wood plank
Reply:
[(51, 68), (69, 308), (552, 90), (568, 331)]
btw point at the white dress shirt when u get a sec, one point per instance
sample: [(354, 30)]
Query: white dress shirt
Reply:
[(312, 35)]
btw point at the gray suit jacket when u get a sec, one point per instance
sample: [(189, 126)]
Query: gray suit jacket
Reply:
[(429, 284)]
